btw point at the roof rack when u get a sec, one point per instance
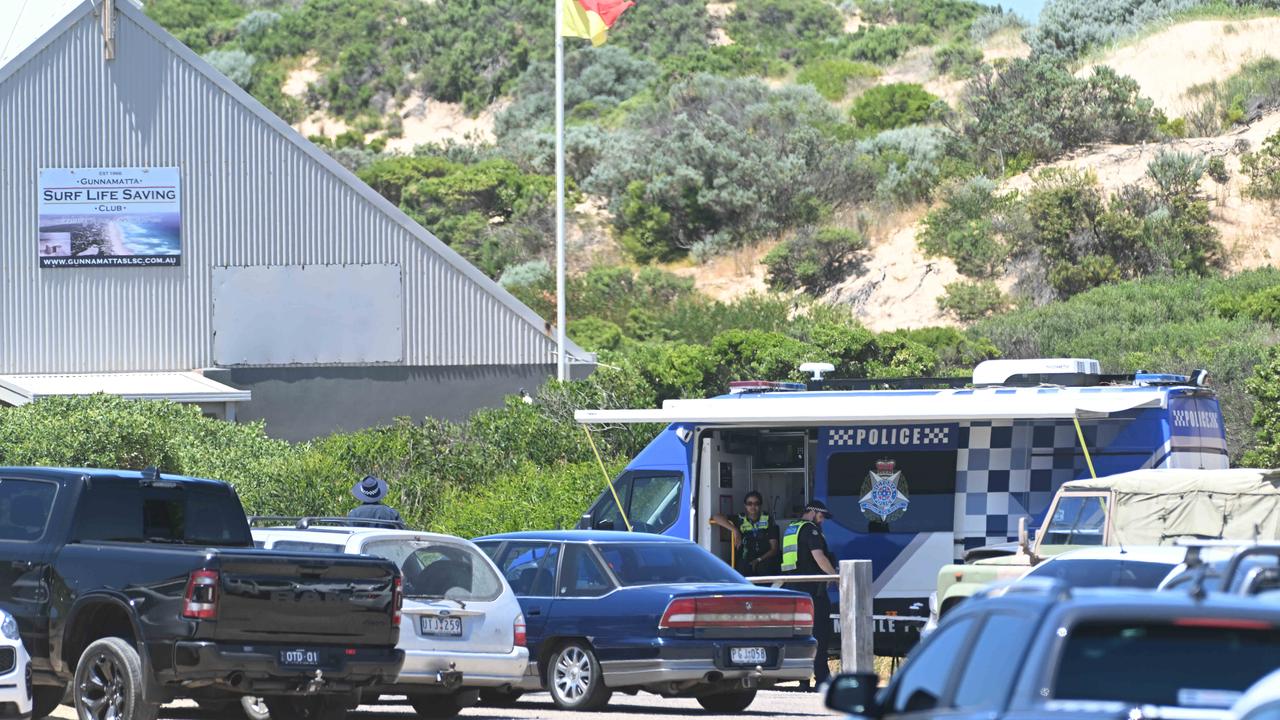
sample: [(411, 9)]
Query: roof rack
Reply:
[(303, 522), (1018, 380), (895, 383)]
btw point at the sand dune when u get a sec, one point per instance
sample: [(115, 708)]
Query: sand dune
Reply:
[(1166, 64)]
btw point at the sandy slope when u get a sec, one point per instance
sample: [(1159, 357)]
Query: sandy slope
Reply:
[(900, 286), (1250, 229), (1169, 62)]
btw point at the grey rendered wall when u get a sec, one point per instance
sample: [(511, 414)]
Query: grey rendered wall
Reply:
[(253, 194), (305, 403)]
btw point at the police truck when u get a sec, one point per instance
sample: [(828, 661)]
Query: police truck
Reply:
[(916, 471)]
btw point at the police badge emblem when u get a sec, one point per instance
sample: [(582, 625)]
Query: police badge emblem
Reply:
[(884, 493)]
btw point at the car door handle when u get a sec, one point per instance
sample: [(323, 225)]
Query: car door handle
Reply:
[(535, 611)]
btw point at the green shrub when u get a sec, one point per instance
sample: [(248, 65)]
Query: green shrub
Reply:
[(969, 300), (944, 15), (958, 60), (595, 334), (1264, 388), (1217, 169), (1263, 305), (1036, 109), (546, 497), (880, 45), (1263, 169), (815, 260), (719, 162), (1241, 98), (892, 106), (907, 163), (1070, 27), (1082, 239), (833, 77), (969, 227), (237, 65), (1177, 174), (782, 23), (958, 351), (490, 211)]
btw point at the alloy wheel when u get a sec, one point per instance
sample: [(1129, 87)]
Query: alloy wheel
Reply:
[(573, 673), (102, 692)]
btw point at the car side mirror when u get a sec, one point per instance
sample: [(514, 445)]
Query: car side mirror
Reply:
[(854, 693)]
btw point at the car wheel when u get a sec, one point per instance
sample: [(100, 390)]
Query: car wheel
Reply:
[(255, 708), (727, 702), (574, 678), (500, 698), (108, 683), (306, 708), (45, 699)]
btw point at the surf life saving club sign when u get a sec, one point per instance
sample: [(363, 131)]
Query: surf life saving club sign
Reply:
[(110, 217)]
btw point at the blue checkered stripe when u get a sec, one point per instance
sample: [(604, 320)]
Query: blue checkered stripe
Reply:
[(1011, 470)]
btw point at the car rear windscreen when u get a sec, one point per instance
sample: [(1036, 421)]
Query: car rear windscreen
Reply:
[(655, 563), (1169, 662)]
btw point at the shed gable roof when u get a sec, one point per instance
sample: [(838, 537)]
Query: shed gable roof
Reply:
[(33, 33)]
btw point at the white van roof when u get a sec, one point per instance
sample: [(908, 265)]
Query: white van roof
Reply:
[(866, 406)]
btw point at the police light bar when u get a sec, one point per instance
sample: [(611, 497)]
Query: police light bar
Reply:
[(737, 387)]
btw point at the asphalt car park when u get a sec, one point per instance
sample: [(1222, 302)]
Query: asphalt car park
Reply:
[(768, 703)]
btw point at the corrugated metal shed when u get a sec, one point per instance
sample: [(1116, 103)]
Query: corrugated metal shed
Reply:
[(254, 193)]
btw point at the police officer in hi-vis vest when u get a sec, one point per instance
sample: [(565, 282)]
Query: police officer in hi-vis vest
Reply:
[(804, 552), (755, 536)]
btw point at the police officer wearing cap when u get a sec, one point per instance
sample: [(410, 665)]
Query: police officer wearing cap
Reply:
[(370, 491), (755, 536), (804, 552)]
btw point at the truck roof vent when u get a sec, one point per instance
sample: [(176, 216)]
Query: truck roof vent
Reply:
[(1038, 371)]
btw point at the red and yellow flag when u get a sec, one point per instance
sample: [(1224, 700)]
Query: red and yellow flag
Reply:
[(591, 19)]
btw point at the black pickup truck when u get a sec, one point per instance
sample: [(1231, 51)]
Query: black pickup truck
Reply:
[(137, 588)]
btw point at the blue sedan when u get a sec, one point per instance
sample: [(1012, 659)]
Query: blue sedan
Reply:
[(610, 611)]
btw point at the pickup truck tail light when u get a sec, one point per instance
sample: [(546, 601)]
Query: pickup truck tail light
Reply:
[(201, 599), (739, 611), (397, 601), (521, 637)]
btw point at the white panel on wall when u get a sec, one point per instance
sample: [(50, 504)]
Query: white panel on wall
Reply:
[(308, 314)]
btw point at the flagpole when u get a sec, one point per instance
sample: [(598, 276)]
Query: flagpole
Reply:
[(562, 363)]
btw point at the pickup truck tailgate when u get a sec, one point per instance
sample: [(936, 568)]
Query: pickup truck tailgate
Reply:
[(299, 597)]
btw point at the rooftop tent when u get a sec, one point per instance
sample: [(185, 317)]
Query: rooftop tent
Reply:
[(1153, 507), (812, 408)]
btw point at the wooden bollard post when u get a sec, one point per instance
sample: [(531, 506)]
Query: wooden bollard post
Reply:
[(856, 624)]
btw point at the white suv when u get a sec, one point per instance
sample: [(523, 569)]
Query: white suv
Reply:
[(463, 630), (15, 670)]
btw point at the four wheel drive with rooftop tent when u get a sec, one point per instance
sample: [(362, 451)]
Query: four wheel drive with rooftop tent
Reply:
[(1144, 507), (137, 588)]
